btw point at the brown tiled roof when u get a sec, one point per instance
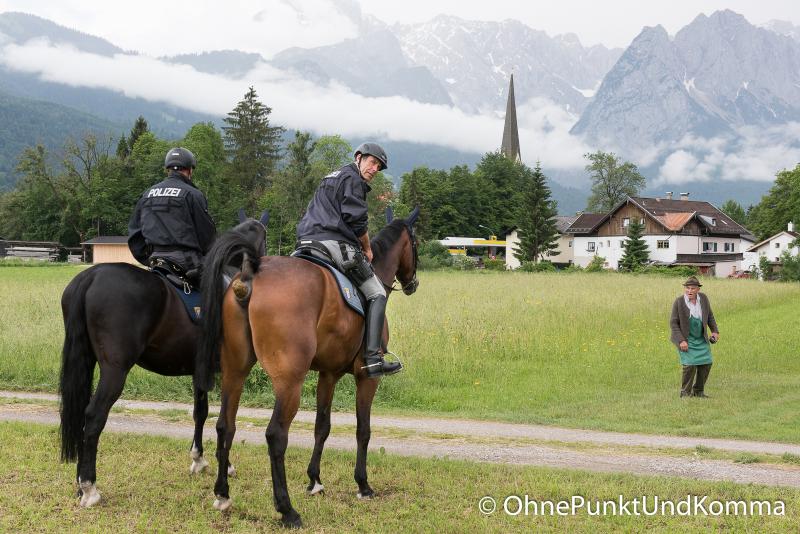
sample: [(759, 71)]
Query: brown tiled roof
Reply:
[(565, 221), (585, 223), (705, 212)]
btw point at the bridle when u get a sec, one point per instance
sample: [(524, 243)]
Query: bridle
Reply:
[(413, 283)]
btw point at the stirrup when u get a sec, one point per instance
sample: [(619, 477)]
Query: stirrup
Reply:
[(380, 363)]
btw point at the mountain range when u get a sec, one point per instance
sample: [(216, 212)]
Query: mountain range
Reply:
[(716, 76)]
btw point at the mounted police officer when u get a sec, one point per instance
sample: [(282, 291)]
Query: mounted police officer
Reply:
[(337, 218), (171, 227)]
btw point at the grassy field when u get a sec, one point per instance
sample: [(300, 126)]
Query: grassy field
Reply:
[(146, 488), (579, 350)]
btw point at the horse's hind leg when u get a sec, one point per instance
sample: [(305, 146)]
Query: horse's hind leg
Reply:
[(365, 393), (322, 428), (287, 400), (200, 414), (109, 388)]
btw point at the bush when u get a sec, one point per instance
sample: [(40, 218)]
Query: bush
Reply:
[(573, 268), (596, 265), (494, 265), (433, 255), (541, 267), (463, 263), (790, 268)]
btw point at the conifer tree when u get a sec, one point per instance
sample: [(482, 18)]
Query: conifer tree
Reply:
[(635, 249), (537, 225), (252, 146)]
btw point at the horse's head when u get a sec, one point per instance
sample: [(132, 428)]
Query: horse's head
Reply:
[(396, 254), (254, 231)]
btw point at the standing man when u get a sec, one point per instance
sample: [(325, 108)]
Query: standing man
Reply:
[(690, 321), (337, 218), (171, 226)]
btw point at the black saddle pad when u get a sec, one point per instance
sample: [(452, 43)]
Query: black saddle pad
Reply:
[(190, 296)]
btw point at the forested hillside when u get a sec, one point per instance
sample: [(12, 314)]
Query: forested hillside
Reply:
[(25, 123)]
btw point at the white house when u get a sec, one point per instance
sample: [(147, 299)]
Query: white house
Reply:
[(564, 254), (771, 248), (677, 232)]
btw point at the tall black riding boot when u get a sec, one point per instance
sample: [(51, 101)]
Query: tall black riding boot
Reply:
[(373, 353)]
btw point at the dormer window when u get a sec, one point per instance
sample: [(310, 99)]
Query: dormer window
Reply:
[(713, 222)]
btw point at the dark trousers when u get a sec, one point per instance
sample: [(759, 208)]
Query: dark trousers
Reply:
[(689, 374)]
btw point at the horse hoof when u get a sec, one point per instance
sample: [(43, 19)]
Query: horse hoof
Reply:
[(368, 494), (90, 496), (231, 470), (223, 504), (292, 520), (198, 465), (315, 488)]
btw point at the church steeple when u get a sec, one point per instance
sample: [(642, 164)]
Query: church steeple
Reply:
[(510, 146)]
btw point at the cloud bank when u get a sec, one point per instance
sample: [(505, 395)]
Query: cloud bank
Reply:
[(299, 104), (750, 153)]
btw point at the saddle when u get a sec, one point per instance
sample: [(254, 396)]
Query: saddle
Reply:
[(316, 253), (178, 280)]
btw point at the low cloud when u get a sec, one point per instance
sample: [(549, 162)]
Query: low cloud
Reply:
[(751, 153), (298, 104)]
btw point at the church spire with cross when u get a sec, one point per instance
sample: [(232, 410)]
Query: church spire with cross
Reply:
[(510, 146)]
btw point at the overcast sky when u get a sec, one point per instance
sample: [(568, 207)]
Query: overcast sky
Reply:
[(159, 27), (168, 27)]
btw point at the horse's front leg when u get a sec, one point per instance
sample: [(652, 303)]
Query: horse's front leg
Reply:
[(200, 414), (365, 393), (322, 428)]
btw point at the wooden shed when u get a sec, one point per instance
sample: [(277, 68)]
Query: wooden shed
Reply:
[(111, 249)]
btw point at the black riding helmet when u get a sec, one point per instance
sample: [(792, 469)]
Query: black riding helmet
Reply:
[(375, 150), (180, 158)]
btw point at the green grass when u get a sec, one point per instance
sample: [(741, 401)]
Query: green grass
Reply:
[(146, 488), (579, 350)]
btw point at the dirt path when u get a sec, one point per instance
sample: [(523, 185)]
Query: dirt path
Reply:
[(468, 440)]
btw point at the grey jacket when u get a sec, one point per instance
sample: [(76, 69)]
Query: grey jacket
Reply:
[(679, 320)]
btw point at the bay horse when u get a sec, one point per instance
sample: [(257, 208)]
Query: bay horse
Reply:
[(117, 315), (288, 314)]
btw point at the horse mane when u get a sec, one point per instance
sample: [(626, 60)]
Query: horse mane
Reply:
[(387, 237)]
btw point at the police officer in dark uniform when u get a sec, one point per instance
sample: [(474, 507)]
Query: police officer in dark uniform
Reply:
[(337, 218), (171, 227)]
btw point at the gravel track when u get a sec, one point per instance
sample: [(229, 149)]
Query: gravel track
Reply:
[(461, 443)]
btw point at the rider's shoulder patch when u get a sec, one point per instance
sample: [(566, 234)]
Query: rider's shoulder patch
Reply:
[(334, 174)]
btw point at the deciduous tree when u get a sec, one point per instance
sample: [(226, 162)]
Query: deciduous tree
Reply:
[(612, 181)]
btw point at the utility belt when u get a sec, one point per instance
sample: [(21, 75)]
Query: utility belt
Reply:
[(353, 262)]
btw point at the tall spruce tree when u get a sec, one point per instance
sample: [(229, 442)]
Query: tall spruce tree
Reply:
[(252, 146), (537, 225), (635, 249)]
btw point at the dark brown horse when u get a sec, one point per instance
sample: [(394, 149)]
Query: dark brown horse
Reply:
[(117, 316), (287, 314)]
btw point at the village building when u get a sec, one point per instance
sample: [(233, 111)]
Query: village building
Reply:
[(111, 249), (772, 248), (562, 256), (677, 232)]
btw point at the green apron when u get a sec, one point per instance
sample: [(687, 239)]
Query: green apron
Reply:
[(699, 352)]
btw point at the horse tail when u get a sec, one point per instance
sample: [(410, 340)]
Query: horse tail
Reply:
[(231, 249), (77, 365)]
